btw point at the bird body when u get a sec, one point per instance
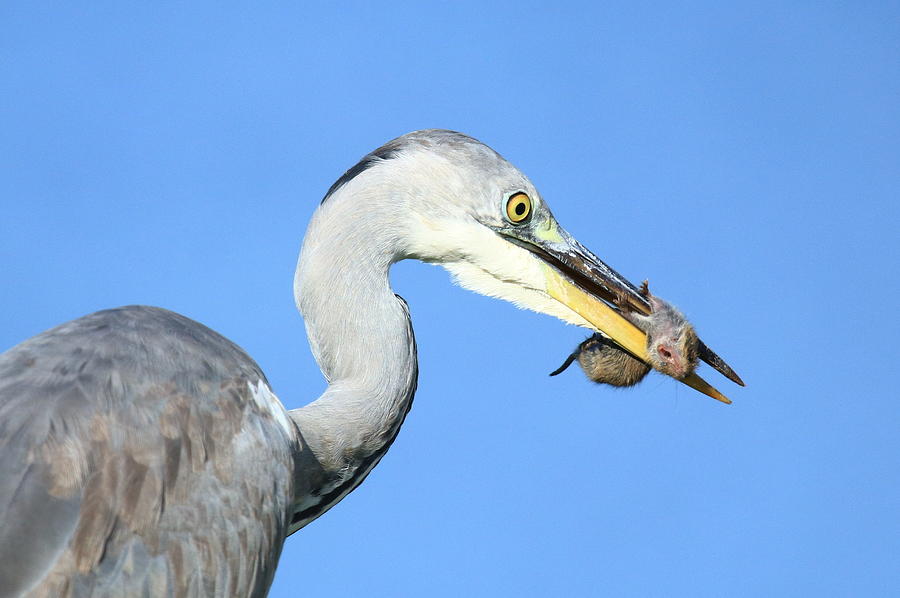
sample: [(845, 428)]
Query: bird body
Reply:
[(143, 454), (140, 452)]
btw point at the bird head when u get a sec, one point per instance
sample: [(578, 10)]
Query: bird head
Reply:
[(454, 201)]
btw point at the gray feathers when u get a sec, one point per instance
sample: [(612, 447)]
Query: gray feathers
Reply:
[(428, 138), (385, 152), (143, 454), (132, 448)]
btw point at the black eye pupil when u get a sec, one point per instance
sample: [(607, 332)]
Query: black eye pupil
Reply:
[(520, 209)]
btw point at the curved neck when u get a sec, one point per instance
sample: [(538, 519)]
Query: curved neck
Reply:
[(362, 339)]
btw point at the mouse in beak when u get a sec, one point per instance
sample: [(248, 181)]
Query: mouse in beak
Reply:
[(673, 346)]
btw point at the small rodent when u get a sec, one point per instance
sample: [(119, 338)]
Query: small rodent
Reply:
[(672, 347)]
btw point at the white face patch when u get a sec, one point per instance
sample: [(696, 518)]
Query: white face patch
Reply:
[(267, 402)]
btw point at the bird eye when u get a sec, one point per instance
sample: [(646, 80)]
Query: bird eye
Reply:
[(518, 208)]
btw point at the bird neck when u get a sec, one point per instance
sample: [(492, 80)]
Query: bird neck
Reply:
[(361, 336)]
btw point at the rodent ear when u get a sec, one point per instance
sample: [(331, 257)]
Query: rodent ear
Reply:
[(664, 350)]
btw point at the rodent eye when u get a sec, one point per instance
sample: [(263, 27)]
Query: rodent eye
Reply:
[(518, 208)]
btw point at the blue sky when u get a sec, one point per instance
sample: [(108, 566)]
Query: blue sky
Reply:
[(743, 158)]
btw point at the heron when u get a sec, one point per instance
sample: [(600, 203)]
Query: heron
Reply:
[(143, 453)]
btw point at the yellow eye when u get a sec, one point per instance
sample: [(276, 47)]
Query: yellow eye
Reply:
[(518, 208)]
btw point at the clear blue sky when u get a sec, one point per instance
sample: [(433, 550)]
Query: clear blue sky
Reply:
[(745, 159)]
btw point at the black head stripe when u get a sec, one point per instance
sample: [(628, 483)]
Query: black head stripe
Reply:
[(385, 152)]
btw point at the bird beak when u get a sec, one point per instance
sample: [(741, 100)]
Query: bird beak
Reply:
[(581, 281)]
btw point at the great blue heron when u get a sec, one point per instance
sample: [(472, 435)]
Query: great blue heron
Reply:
[(143, 453)]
